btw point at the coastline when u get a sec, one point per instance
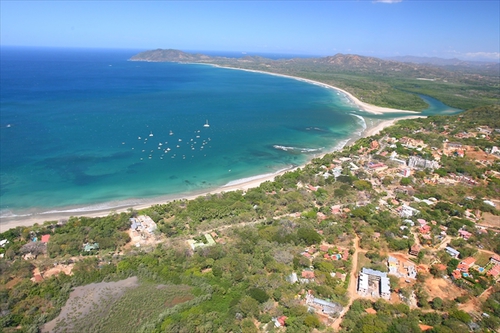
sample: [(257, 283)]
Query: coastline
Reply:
[(370, 108), (241, 184)]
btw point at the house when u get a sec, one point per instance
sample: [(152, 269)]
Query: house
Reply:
[(292, 278), (328, 308), (456, 274), (407, 211), (425, 229), (279, 321), (308, 274), (415, 250), (377, 166), (4, 242), (495, 259), (312, 188), (494, 271), (422, 222), (362, 284), (464, 234), (393, 265), (345, 254), (87, 247), (374, 144), (195, 244), (370, 277), (412, 272), (466, 264), (452, 252), (410, 222), (420, 163), (45, 238), (324, 248), (336, 209)]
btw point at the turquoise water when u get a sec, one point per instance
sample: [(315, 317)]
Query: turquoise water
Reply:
[(84, 130)]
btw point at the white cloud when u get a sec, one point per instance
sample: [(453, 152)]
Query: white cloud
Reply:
[(485, 55), (387, 1)]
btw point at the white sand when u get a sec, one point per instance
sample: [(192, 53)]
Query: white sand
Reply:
[(362, 105), (8, 223)]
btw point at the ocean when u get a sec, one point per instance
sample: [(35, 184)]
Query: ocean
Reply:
[(85, 129)]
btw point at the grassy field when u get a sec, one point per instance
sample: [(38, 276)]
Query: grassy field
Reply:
[(123, 306)]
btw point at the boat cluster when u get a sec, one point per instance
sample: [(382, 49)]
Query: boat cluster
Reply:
[(175, 147)]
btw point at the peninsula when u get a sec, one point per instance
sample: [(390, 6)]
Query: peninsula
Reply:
[(383, 83)]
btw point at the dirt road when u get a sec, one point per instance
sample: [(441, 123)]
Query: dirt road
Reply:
[(351, 289)]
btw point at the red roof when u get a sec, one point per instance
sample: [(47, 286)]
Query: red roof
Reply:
[(371, 311), (345, 254), (45, 238), (282, 320), (465, 234), (495, 271), (468, 261), (425, 229), (324, 248), (308, 274), (457, 274), (425, 327), (440, 267), (422, 221)]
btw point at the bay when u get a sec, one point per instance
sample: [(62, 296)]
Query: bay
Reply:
[(84, 127)]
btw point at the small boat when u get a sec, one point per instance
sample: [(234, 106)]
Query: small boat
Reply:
[(206, 124), (151, 133), (171, 133)]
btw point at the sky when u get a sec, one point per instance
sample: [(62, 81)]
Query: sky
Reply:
[(468, 30)]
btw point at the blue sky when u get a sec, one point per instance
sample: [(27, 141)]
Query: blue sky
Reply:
[(464, 29)]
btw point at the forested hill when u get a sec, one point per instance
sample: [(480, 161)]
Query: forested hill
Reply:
[(380, 82)]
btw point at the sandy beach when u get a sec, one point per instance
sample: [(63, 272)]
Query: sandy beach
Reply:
[(362, 105), (244, 184)]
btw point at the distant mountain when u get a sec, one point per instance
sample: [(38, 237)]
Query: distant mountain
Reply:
[(160, 55), (445, 62)]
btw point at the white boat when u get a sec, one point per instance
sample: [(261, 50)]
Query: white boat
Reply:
[(171, 133), (151, 133), (206, 124)]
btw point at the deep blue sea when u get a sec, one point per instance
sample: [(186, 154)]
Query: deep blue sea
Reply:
[(85, 129)]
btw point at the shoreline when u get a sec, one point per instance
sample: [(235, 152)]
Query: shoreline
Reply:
[(26, 220), (370, 108), (244, 184)]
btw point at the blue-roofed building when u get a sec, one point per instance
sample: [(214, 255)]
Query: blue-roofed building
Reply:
[(452, 252), (374, 283), (373, 272)]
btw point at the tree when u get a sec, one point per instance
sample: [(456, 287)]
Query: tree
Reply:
[(312, 321), (308, 236), (258, 294), (405, 181), (437, 303), (247, 326)]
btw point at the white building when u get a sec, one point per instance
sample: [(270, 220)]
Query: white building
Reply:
[(407, 211)]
